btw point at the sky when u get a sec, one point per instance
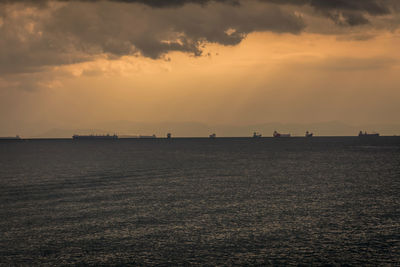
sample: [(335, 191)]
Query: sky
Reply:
[(84, 64)]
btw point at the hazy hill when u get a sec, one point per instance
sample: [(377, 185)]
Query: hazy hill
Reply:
[(194, 129)]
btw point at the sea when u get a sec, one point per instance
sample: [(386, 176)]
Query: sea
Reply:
[(200, 202)]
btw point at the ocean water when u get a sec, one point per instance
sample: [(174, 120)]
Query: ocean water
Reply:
[(206, 202)]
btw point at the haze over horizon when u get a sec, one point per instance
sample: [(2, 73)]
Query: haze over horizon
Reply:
[(126, 129), (82, 64)]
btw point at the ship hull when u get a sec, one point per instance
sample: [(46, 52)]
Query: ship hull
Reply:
[(281, 135), (95, 137)]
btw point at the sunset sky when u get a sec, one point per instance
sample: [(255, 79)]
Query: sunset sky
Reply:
[(79, 64)]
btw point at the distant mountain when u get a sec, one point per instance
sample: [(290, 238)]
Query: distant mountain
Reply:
[(67, 133), (194, 129)]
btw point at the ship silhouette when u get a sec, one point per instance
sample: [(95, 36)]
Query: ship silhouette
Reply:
[(94, 137), (148, 136), (276, 134), (256, 135), (11, 138), (365, 134)]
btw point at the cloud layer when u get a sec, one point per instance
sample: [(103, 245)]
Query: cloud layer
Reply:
[(65, 33), (347, 12), (36, 35)]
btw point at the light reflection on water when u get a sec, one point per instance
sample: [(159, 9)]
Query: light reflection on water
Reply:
[(200, 201)]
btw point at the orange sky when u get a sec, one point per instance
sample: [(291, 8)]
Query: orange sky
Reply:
[(305, 77)]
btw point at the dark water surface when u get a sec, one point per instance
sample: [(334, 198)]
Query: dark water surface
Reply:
[(200, 201)]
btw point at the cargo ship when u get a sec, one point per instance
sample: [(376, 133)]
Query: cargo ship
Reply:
[(11, 138), (148, 136), (94, 137), (365, 134), (276, 134), (256, 135)]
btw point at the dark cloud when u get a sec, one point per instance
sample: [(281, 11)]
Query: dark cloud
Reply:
[(352, 12), (173, 3), (152, 3), (50, 33), (79, 31), (373, 7), (342, 12), (346, 12)]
